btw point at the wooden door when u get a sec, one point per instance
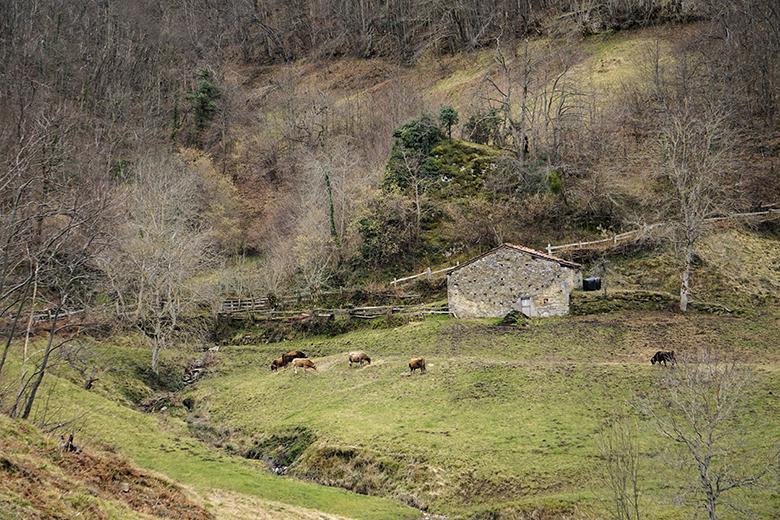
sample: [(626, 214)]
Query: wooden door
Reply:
[(525, 305)]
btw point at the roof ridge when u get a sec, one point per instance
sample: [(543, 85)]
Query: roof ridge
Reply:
[(542, 254), (524, 249)]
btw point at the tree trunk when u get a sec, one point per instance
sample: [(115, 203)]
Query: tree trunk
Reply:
[(332, 215), (711, 514), (11, 332), (685, 287), (418, 208), (156, 347), (44, 364), (711, 499)]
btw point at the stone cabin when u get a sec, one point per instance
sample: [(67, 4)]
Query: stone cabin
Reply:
[(512, 277)]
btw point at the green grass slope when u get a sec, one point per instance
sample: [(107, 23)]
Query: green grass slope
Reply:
[(162, 443), (504, 420), (733, 267)]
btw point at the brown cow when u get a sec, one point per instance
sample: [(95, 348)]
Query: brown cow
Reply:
[(303, 363), (416, 363), (358, 357), (277, 363), (293, 354)]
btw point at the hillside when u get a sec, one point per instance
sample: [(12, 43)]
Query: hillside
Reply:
[(42, 481), (506, 423), (309, 118), (507, 419), (229, 487), (189, 190)]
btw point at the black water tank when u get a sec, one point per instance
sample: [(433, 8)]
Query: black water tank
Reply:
[(591, 284)]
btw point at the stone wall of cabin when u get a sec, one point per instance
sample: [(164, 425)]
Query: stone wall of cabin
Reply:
[(494, 284)]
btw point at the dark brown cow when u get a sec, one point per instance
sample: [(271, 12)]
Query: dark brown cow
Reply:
[(663, 357), (303, 363), (417, 363), (293, 354), (359, 357)]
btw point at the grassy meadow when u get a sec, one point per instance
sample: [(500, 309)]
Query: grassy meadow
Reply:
[(505, 419)]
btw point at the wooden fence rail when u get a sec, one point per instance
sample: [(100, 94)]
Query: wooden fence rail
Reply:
[(621, 237), (428, 273), (244, 304), (366, 313), (614, 240), (48, 314)]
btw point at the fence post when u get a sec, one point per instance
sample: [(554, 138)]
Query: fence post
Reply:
[(428, 272), (614, 238), (549, 248)]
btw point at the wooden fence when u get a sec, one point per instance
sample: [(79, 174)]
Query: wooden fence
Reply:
[(612, 241), (427, 273), (647, 228), (231, 305), (364, 313), (48, 315)]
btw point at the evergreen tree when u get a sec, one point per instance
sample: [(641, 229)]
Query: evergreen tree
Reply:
[(204, 100), (448, 117)]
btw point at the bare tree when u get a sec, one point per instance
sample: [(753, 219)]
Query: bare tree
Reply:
[(158, 252), (54, 216), (531, 91), (697, 406), (66, 269), (696, 148), (619, 449)]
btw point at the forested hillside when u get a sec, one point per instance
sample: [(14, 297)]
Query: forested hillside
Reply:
[(159, 158), (289, 121)]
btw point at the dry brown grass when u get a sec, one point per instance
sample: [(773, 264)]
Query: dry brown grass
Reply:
[(40, 480)]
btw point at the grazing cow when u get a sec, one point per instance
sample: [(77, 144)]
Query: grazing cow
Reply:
[(358, 357), (663, 357), (416, 363), (293, 354), (303, 363), (277, 363)]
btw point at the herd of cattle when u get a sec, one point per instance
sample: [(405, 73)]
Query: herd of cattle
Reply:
[(298, 359)]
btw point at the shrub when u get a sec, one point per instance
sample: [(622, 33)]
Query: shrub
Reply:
[(420, 135), (203, 100), (483, 128)]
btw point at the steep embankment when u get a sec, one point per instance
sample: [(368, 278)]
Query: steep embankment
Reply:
[(39, 480), (734, 268)]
